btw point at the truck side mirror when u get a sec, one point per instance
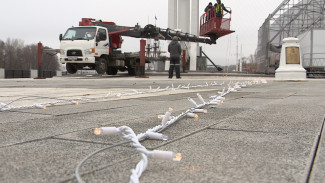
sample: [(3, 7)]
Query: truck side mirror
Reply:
[(60, 37)]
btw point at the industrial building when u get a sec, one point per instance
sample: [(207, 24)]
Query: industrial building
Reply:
[(303, 19)]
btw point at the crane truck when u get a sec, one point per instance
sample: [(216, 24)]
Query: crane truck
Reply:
[(95, 45)]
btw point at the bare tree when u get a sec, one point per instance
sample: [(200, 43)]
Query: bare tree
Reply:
[(2, 54), (14, 55), (28, 57), (13, 49)]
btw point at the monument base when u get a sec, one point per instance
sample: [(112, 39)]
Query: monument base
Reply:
[(290, 72)]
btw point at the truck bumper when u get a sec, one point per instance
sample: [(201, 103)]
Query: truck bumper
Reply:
[(81, 60)]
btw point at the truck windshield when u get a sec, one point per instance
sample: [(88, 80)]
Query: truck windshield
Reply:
[(80, 33)]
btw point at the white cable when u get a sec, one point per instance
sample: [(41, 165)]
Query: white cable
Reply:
[(128, 133), (7, 107)]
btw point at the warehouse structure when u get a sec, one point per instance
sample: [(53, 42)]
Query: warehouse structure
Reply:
[(303, 19)]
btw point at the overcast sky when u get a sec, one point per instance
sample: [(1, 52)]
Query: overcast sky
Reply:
[(43, 20)]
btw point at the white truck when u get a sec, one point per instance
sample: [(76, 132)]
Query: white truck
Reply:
[(94, 45)]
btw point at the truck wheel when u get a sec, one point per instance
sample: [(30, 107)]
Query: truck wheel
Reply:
[(71, 68), (100, 66), (131, 71), (111, 71)]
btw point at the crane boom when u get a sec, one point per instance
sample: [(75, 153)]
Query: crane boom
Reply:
[(150, 32), (95, 44)]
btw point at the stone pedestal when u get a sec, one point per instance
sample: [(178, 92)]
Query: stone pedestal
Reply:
[(290, 67)]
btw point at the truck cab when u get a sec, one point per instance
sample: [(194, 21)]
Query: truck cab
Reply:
[(90, 47), (83, 47)]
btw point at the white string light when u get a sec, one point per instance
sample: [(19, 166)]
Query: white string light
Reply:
[(166, 117), (128, 134), (201, 98), (192, 115), (200, 111), (167, 120), (6, 107), (192, 101)]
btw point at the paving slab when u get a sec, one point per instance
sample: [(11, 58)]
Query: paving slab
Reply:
[(19, 97), (17, 116), (188, 126), (228, 156), (280, 116), (54, 160), (318, 170), (262, 133), (38, 129)]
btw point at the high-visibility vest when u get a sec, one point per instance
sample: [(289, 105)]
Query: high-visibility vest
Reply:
[(219, 8)]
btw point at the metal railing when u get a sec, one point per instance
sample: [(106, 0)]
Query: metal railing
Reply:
[(209, 22), (17, 74), (27, 74), (315, 60)]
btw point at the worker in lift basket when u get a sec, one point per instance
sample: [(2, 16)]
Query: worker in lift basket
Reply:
[(175, 50), (207, 11), (220, 7)]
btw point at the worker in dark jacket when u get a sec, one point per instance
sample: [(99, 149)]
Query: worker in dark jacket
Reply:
[(207, 11), (175, 50), (220, 7)]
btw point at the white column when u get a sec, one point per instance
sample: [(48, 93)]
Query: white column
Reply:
[(172, 20), (172, 14), (184, 21), (195, 17), (184, 15), (195, 26), (193, 56), (184, 12)]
